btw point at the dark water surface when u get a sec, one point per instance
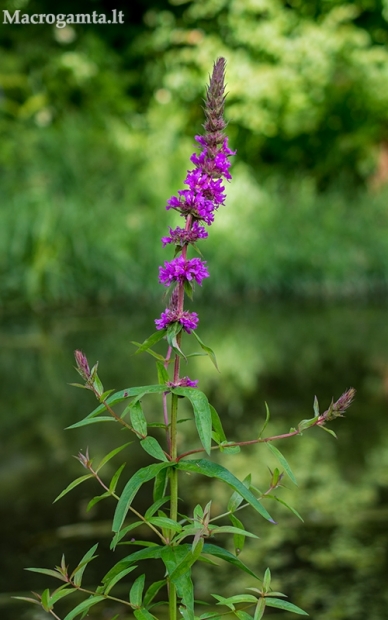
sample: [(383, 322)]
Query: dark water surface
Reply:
[(334, 565)]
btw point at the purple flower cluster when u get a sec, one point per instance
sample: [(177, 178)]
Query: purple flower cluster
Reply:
[(184, 382), (188, 320), (198, 203), (181, 236), (180, 269)]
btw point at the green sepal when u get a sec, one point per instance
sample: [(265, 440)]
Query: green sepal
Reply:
[(282, 460)]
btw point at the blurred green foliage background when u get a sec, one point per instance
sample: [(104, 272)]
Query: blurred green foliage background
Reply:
[(97, 126)]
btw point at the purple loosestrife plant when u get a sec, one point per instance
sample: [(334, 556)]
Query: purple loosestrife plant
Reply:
[(178, 540)]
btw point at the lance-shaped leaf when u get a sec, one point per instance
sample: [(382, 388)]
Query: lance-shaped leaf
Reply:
[(136, 592), (153, 448), (172, 333), (115, 478), (152, 591), (138, 419), (217, 425), (143, 614), (282, 460), (84, 607), (110, 456), (131, 488), (79, 570), (47, 571), (202, 413), (173, 558), (305, 424), (96, 420), (163, 376), (119, 397), (72, 485), (214, 470), (223, 554), (259, 609), (118, 578), (280, 604), (207, 350), (267, 418), (328, 430), (149, 342), (154, 552), (238, 538)]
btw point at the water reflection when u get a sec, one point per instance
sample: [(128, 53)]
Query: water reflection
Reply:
[(333, 564)]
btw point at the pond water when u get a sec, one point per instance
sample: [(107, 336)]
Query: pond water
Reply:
[(334, 564)]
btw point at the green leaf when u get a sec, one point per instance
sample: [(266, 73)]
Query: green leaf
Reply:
[(59, 594), (173, 330), (153, 447), (242, 615), (202, 413), (131, 488), (119, 535), (149, 351), (238, 539), (165, 522), (26, 598), (305, 424), (217, 425), (105, 395), (110, 456), (236, 498), (47, 571), (316, 407), (175, 559), (85, 606), (163, 376), (79, 570), (45, 599), (238, 598), (160, 484), (150, 341), (281, 501), (115, 478), (152, 591), (143, 614), (207, 350), (97, 499), (118, 397), (214, 470), (259, 609), (267, 418), (153, 552), (72, 485), (280, 604), (86, 421), (328, 430), (223, 554), (138, 420), (136, 592), (226, 449), (267, 580), (228, 529), (282, 461), (155, 507)]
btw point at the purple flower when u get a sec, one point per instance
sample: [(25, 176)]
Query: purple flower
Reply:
[(188, 320), (181, 237), (181, 269), (184, 382)]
